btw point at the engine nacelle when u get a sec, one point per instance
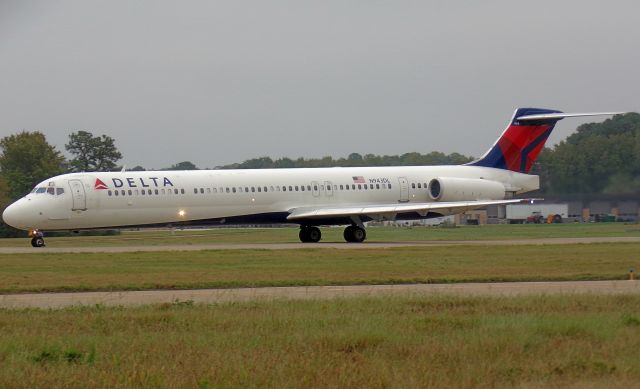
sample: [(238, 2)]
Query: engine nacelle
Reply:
[(461, 189)]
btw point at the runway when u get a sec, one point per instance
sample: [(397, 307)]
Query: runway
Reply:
[(326, 245), (209, 296)]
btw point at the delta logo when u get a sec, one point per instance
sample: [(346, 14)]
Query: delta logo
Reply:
[(100, 185)]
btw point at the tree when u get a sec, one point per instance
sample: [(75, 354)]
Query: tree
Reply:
[(597, 158), (184, 165), (92, 153), (27, 159)]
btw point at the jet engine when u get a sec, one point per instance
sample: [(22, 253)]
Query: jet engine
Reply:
[(461, 189)]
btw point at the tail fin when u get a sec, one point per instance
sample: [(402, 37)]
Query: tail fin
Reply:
[(519, 145)]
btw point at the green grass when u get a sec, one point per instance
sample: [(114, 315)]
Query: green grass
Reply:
[(36, 272), (375, 234), (438, 341)]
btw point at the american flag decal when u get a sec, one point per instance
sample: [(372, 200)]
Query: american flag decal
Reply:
[(358, 180)]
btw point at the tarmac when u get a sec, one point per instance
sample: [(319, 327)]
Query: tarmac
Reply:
[(321, 245), (212, 296)]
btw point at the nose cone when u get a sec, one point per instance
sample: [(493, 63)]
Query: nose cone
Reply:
[(14, 216)]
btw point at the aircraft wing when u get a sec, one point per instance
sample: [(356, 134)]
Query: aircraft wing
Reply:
[(389, 211)]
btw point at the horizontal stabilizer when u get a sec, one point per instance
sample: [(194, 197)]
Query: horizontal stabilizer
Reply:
[(560, 116)]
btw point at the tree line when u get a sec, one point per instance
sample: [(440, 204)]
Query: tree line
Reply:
[(598, 158)]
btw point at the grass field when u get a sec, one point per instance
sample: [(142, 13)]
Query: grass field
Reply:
[(568, 341), (244, 268), (374, 234)]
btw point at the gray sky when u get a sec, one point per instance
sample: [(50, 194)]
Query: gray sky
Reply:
[(216, 82)]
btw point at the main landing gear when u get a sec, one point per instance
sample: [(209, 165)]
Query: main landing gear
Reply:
[(355, 234), (37, 238), (309, 234), (352, 234)]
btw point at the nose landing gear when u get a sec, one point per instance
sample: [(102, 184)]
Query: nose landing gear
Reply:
[(37, 238)]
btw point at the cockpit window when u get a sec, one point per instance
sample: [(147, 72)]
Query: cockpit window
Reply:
[(51, 191), (59, 191), (41, 190)]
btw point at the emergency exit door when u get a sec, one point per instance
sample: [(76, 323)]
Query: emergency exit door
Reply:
[(78, 195)]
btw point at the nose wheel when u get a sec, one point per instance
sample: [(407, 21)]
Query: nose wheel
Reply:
[(37, 238), (37, 242)]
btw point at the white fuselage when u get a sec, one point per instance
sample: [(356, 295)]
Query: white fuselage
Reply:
[(233, 196)]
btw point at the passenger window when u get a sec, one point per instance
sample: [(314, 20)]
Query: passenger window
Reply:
[(346, 187), (359, 186), (115, 192), (290, 189), (246, 189), (365, 186), (413, 185), (259, 189), (389, 186), (157, 191), (309, 187), (227, 189), (253, 188), (130, 192), (265, 188), (143, 191), (233, 189), (109, 193), (195, 190), (419, 185), (201, 190), (284, 188), (175, 191), (353, 186), (302, 188), (182, 191), (341, 187), (122, 192), (315, 187)]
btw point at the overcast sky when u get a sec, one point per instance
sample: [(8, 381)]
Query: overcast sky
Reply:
[(216, 82)]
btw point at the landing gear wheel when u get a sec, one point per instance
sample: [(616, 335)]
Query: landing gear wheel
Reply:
[(355, 234), (37, 242), (314, 234), (310, 234)]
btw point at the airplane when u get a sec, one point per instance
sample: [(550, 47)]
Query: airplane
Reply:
[(309, 197)]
